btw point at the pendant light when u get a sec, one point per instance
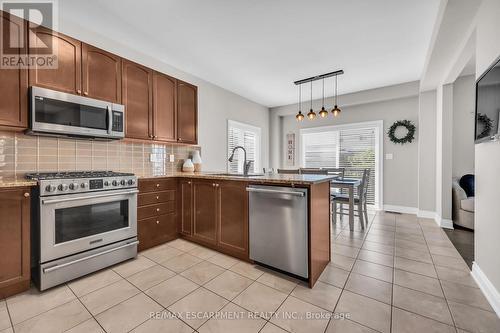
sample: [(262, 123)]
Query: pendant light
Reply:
[(299, 115), (336, 111), (311, 114), (323, 113)]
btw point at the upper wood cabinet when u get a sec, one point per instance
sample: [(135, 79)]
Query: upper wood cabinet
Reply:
[(14, 241), (101, 74), (13, 82), (67, 77), (164, 107), (233, 217), (205, 211), (137, 96), (187, 113)]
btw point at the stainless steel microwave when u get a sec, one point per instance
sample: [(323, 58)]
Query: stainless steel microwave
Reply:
[(61, 114)]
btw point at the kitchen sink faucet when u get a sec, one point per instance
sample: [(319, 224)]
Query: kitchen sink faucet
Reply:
[(246, 164)]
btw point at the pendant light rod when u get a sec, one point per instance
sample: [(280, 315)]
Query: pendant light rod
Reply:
[(319, 77)]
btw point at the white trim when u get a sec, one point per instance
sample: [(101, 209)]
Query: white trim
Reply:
[(426, 214), (488, 289), (379, 149), (444, 223), (401, 209)]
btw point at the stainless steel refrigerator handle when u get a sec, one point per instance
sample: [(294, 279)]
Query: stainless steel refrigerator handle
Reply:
[(46, 202), (261, 190), (54, 268)]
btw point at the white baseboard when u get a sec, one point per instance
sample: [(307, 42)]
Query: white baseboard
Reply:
[(444, 223), (488, 289), (401, 209), (426, 214)]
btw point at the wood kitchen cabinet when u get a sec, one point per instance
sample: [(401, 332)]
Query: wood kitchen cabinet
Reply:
[(187, 112), (101, 74), (164, 107), (205, 211), (185, 207), (13, 81), (67, 76), (14, 240), (137, 96)]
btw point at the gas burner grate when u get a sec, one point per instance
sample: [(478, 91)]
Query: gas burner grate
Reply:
[(76, 174)]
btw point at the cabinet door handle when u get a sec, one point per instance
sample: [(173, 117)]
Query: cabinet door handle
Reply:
[(157, 222), (79, 92), (213, 185), (26, 195), (157, 197), (157, 185), (179, 139), (189, 183), (216, 185), (85, 93), (157, 209)]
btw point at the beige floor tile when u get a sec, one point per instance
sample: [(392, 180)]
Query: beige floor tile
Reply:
[(203, 272), (373, 270), (165, 322), (281, 282), (334, 276), (377, 247), (92, 282), (322, 294), (347, 326), (247, 270), (455, 275), (228, 284), (242, 322), (271, 328), (370, 287), (418, 282), (450, 262), (413, 255), (345, 250), (7, 330), (223, 260), (260, 298), (406, 244), (88, 326), (424, 304), (161, 253), (200, 301), (386, 239), (150, 277), (365, 311), (302, 323), (170, 291), (33, 302), (182, 245), (342, 262), (352, 234), (376, 257), (415, 267), (4, 317), (407, 322), (104, 298), (444, 251), (349, 241), (133, 266), (181, 263), (58, 319), (128, 314), (466, 295), (474, 319), (202, 252)]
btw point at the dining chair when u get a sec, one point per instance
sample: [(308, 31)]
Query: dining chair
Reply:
[(360, 201), (289, 171), (313, 171)]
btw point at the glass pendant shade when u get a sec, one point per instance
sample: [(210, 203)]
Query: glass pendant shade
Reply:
[(336, 111), (323, 113), (299, 116), (311, 114)]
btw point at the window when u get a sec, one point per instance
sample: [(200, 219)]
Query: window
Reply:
[(354, 147), (247, 136)]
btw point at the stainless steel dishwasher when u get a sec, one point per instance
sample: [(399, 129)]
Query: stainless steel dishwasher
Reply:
[(278, 228)]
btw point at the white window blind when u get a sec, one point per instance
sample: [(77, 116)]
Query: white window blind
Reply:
[(354, 148), (247, 136)]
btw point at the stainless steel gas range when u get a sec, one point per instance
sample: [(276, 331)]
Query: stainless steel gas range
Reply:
[(82, 222)]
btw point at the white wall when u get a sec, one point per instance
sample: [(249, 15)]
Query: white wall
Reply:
[(463, 125), (215, 105), (400, 173)]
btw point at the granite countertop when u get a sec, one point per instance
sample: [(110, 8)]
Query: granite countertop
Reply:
[(266, 178), (16, 182)]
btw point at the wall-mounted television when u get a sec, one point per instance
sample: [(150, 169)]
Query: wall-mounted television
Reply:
[(488, 104)]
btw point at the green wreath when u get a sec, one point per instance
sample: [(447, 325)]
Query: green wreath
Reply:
[(487, 125), (409, 137)]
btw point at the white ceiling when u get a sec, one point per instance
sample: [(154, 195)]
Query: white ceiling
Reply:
[(258, 48)]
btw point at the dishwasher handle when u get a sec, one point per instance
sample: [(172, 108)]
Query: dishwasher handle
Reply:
[(263, 190)]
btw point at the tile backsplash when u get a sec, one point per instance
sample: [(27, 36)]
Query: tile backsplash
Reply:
[(20, 154)]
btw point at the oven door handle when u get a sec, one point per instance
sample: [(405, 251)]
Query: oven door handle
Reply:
[(110, 118), (56, 267), (53, 201)]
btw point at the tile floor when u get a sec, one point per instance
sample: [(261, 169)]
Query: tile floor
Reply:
[(463, 240), (401, 274)]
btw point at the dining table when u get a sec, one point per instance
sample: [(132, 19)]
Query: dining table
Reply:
[(349, 184)]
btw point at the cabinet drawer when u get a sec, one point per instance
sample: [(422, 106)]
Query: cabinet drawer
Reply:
[(153, 185), (156, 230), (155, 210), (155, 197)]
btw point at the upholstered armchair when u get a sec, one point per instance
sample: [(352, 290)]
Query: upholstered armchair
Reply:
[(463, 202)]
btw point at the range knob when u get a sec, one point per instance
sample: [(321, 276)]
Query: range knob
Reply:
[(123, 182), (73, 186), (62, 187), (106, 183), (83, 185), (50, 188), (131, 182), (115, 183)]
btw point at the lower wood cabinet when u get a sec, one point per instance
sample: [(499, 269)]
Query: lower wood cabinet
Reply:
[(156, 212), (215, 214), (14, 240)]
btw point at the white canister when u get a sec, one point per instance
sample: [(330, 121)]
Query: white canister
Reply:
[(188, 165), (197, 160)]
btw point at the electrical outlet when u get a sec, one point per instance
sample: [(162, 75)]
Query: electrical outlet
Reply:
[(171, 158), (389, 156)]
